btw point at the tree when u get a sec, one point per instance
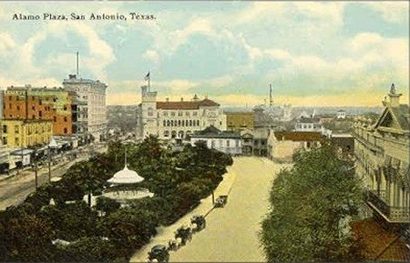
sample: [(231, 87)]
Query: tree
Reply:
[(107, 205), (309, 203), (27, 238)]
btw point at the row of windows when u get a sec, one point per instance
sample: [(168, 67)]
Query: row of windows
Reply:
[(180, 113), (179, 123), (54, 99), (30, 129), (47, 108), (227, 143)]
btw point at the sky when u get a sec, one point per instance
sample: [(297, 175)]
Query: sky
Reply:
[(313, 53)]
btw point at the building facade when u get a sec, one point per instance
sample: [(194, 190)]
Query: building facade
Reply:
[(382, 160), (29, 103), (91, 121), (238, 121), (25, 133), (223, 141), (282, 145), (1, 104), (176, 119)]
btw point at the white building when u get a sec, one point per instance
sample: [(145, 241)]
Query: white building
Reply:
[(176, 119), (91, 108), (341, 114), (308, 124), (223, 141)]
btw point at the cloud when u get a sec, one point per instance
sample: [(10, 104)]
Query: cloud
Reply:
[(7, 43), (151, 55), (393, 12)]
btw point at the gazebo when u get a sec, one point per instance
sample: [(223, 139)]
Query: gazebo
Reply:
[(123, 186)]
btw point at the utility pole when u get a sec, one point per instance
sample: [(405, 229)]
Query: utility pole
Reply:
[(35, 168), (270, 96), (78, 64)]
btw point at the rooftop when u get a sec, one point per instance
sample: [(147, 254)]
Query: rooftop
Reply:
[(298, 136), (212, 132), (378, 243), (185, 105), (125, 176)]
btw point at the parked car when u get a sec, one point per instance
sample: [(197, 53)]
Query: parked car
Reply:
[(199, 222), (158, 253), (221, 201)]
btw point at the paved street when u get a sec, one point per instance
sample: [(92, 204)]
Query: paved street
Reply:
[(15, 189), (231, 232)]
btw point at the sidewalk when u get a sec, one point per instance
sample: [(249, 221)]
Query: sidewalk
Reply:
[(204, 208)]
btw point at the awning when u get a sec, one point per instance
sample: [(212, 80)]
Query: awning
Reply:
[(21, 152)]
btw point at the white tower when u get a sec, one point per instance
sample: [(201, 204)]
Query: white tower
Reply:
[(149, 121)]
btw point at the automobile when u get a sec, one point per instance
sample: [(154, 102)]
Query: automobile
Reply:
[(221, 201), (158, 253), (184, 233), (199, 222)]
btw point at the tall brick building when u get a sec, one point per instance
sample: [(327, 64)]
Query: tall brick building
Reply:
[(28, 103)]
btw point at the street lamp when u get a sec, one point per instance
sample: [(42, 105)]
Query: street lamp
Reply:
[(52, 144)]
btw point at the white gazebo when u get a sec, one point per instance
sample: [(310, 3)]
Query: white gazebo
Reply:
[(122, 186)]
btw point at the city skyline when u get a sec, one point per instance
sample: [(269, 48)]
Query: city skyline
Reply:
[(313, 54)]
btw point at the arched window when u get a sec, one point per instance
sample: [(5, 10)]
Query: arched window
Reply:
[(179, 123), (166, 133), (164, 123), (168, 123), (190, 122)]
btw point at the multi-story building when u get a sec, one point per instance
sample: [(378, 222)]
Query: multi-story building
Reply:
[(282, 145), (255, 142), (1, 104), (382, 161), (29, 103), (223, 141), (341, 114), (238, 121), (176, 119), (25, 133), (91, 121)]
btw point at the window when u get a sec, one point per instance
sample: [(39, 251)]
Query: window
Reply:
[(165, 113), (197, 123), (16, 141), (10, 106), (179, 113), (194, 113), (18, 107), (179, 123), (65, 130), (65, 107), (212, 144), (164, 123), (55, 118), (168, 123), (33, 107), (172, 113), (4, 140), (227, 143), (40, 102), (65, 119), (4, 128), (150, 111), (166, 133), (237, 143), (40, 113), (187, 113), (190, 122), (16, 129)]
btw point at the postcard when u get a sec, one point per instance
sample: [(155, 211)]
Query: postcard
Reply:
[(204, 131)]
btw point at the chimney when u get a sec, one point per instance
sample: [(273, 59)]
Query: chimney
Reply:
[(72, 76), (167, 99), (182, 99), (394, 97)]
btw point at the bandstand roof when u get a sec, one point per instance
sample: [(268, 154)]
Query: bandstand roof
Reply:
[(125, 176)]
